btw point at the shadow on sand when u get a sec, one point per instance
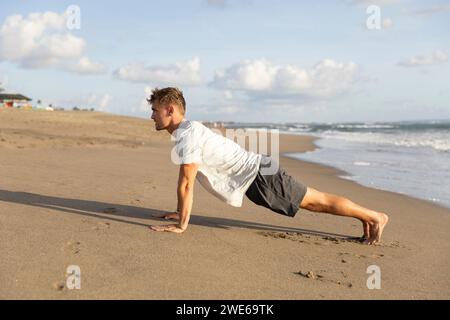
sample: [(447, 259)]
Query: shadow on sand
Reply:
[(121, 213)]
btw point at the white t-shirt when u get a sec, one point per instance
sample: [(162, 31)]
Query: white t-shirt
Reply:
[(225, 168)]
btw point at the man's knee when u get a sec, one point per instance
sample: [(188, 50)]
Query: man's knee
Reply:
[(315, 200)]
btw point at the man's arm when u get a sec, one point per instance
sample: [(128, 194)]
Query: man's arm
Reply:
[(185, 194)]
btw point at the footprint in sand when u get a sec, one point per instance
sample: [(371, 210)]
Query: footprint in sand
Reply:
[(394, 244), (59, 286), (321, 277), (363, 256), (73, 247), (102, 225), (287, 235), (299, 237)]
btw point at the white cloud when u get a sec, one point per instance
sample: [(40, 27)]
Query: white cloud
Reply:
[(143, 107), (148, 91), (104, 102), (327, 78), (42, 40), (100, 102), (97, 102), (3, 82), (247, 75), (91, 99), (228, 95), (433, 9), (374, 2), (38, 40), (181, 73), (219, 110), (437, 57), (86, 66), (228, 110)]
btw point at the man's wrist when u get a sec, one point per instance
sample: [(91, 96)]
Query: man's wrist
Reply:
[(182, 226)]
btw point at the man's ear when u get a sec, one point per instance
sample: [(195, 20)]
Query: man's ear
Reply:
[(170, 110)]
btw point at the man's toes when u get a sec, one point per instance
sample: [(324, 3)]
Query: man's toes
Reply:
[(369, 241)]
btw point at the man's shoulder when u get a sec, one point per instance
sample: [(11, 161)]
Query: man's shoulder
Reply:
[(195, 127), (189, 124), (191, 130), (196, 124)]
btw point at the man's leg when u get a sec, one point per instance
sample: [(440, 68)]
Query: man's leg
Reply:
[(373, 221)]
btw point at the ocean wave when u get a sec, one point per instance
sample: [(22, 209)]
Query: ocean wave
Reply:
[(439, 145), (435, 134), (365, 126), (438, 142), (361, 163)]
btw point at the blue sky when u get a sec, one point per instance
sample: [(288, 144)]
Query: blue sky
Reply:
[(248, 60)]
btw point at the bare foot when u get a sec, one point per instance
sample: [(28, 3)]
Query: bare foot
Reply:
[(366, 235), (376, 228)]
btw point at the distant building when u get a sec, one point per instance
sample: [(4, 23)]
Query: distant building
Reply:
[(9, 100)]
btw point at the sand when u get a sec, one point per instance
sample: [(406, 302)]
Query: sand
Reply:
[(80, 189)]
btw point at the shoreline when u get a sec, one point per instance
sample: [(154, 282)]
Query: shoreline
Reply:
[(339, 172)]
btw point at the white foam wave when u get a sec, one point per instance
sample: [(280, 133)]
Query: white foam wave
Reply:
[(364, 126), (437, 141), (436, 144), (361, 163)]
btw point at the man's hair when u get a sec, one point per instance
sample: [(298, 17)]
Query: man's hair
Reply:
[(167, 96)]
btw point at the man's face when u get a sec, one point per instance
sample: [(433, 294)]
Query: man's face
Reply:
[(161, 116)]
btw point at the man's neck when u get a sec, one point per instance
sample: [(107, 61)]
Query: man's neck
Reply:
[(174, 126)]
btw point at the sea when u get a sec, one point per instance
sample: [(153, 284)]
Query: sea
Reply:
[(408, 157)]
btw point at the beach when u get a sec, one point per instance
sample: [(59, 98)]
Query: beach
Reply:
[(81, 188)]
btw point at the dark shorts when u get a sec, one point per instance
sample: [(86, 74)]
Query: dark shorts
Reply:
[(278, 192)]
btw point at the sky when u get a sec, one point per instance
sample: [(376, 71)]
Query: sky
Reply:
[(234, 60)]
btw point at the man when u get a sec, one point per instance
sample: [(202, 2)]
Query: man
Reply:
[(229, 172)]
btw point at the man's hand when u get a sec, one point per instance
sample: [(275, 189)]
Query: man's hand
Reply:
[(168, 228)]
